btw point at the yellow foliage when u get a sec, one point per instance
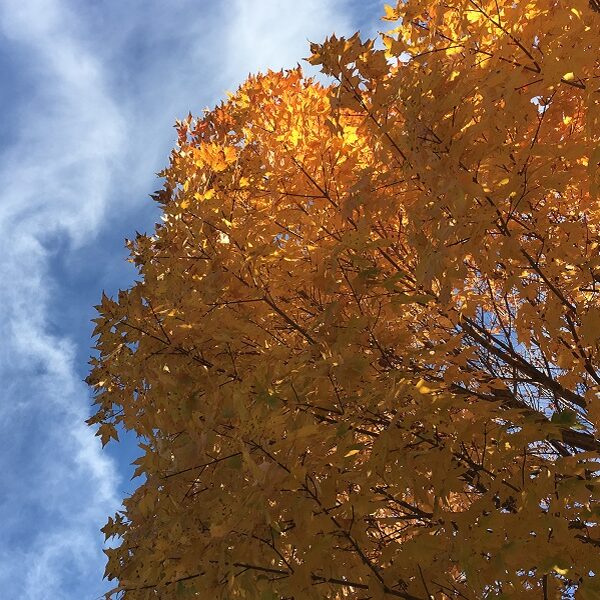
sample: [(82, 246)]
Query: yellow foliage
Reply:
[(364, 352)]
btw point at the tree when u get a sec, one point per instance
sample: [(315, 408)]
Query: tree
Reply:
[(363, 356)]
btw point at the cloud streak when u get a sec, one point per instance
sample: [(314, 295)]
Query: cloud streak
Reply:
[(276, 33), (89, 122), (58, 487)]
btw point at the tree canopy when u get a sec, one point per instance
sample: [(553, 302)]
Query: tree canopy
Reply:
[(363, 356)]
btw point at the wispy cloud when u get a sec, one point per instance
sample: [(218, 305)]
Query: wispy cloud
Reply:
[(97, 88), (276, 33), (57, 486)]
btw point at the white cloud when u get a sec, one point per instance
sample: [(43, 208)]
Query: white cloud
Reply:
[(57, 486), (102, 85), (276, 33)]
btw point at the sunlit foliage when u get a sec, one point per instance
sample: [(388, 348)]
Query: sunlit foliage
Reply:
[(364, 351)]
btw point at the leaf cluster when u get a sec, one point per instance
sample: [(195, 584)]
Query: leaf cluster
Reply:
[(363, 354)]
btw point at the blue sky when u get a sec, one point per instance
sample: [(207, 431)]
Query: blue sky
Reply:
[(90, 91)]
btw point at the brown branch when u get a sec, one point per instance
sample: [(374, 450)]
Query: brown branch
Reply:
[(493, 345), (273, 571), (289, 320), (203, 465)]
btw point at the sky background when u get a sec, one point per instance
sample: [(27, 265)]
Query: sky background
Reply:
[(89, 93)]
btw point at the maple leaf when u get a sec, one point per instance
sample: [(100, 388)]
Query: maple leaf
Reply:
[(363, 355)]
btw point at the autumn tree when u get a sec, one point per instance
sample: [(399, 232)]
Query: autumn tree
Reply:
[(363, 356)]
